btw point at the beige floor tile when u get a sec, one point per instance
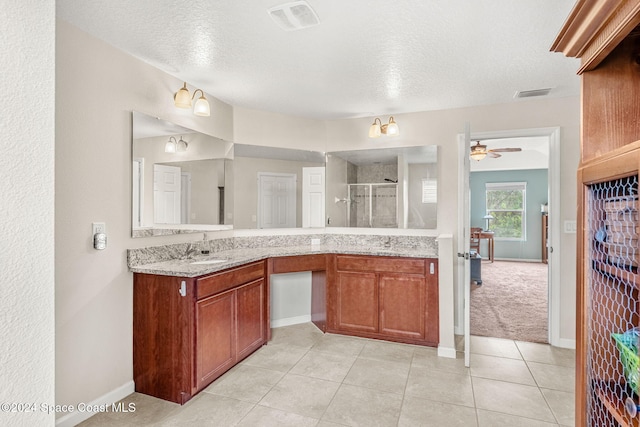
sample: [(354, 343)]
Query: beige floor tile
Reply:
[(268, 417), (245, 382), (440, 386), (326, 366), (357, 406), (348, 346), (495, 419), (148, 411), (501, 368), (379, 375), (209, 410), (387, 351), (495, 347), (422, 412), (544, 353), (305, 396), (562, 405), (277, 357), (428, 358), (328, 424), (304, 335), (552, 376), (509, 398), (374, 375)]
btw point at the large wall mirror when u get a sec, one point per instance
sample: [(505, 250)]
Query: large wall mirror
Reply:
[(178, 180), (277, 187), (383, 188)]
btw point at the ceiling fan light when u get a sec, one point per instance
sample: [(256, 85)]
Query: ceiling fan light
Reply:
[(392, 128), (202, 107), (374, 129), (478, 155), (182, 98)]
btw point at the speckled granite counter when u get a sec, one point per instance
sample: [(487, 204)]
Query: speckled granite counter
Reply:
[(169, 260)]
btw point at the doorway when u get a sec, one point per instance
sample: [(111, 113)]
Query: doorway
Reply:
[(276, 200), (551, 135), (509, 297)]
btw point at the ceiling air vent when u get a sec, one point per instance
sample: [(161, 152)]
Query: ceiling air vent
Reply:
[(530, 93), (294, 16)]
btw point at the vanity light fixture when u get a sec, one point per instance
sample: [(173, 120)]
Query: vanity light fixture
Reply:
[(171, 146), (182, 99), (377, 128), (174, 145)]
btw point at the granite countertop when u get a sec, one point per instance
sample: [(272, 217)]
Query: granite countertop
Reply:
[(234, 257)]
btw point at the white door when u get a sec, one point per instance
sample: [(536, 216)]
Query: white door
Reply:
[(464, 273), (313, 197), (276, 200), (137, 192), (166, 194), (185, 198)]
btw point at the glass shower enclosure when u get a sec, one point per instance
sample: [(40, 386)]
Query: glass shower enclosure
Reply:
[(373, 205)]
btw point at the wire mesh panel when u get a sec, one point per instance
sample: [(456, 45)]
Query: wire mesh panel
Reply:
[(612, 304)]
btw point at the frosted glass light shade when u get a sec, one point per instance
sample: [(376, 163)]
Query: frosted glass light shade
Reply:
[(171, 146), (202, 107), (478, 155), (182, 98), (182, 145), (392, 127), (374, 129)]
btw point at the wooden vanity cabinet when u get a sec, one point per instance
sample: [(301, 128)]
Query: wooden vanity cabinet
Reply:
[(189, 331), (390, 298)]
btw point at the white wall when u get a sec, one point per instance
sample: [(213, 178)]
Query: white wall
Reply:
[(26, 212), (98, 87)]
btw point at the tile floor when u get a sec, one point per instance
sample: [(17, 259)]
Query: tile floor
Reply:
[(305, 378)]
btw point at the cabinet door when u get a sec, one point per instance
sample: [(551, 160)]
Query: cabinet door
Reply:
[(402, 306), (250, 300), (215, 331), (357, 301)]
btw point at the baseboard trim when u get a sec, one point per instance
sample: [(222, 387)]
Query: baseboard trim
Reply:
[(566, 343), (516, 260), (76, 417), (288, 321), (447, 352)]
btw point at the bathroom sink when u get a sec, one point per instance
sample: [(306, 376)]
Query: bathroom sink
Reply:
[(209, 261)]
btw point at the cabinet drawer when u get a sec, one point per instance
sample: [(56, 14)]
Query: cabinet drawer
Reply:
[(296, 263), (380, 264), (220, 282)]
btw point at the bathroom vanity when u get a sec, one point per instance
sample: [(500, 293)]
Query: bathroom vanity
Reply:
[(194, 321)]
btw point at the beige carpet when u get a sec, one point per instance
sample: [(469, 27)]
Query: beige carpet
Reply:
[(511, 302)]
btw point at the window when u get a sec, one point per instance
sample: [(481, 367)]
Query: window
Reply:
[(506, 202), (429, 190)]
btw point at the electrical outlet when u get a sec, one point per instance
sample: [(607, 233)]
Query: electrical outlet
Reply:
[(98, 228)]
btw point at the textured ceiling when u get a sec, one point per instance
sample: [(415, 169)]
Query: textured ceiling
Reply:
[(366, 57)]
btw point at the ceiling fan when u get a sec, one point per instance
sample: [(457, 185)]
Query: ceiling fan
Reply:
[(479, 151)]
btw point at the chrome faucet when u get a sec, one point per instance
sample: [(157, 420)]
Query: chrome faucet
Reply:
[(205, 248)]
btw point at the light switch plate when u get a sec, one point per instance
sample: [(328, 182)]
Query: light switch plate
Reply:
[(570, 226)]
